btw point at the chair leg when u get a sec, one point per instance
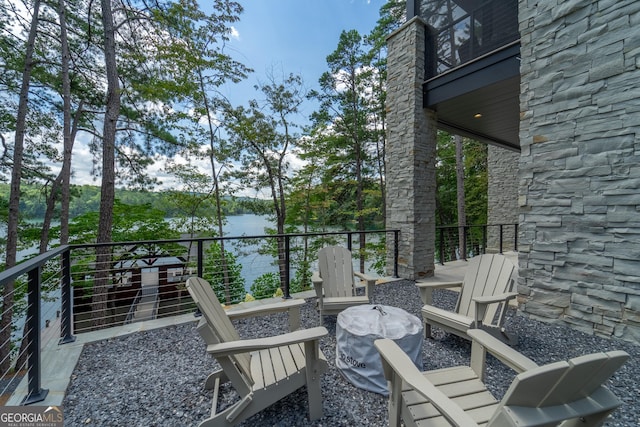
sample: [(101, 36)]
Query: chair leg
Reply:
[(427, 330), (312, 373)]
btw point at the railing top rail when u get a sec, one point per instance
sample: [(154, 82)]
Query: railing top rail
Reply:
[(477, 225), (30, 264), (207, 239)]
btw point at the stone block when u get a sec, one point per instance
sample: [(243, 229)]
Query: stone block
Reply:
[(633, 303), (541, 257), (604, 331), (579, 324), (595, 303), (555, 299), (626, 267), (631, 316), (594, 261), (593, 32), (550, 246), (542, 310), (610, 297), (523, 290), (628, 288), (628, 332)]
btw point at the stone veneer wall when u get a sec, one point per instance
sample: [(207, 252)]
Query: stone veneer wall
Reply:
[(579, 188), (502, 206), (411, 146)]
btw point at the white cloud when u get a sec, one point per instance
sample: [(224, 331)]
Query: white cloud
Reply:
[(234, 33)]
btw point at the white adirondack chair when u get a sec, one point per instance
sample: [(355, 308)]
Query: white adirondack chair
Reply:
[(568, 393), (483, 301), (335, 284), (262, 370)]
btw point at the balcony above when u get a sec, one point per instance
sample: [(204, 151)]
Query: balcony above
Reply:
[(472, 75)]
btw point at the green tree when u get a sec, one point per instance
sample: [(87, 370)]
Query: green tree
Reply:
[(392, 15), (265, 286), (130, 223), (345, 114), (263, 137), (202, 67), (14, 197), (230, 288), (474, 161)]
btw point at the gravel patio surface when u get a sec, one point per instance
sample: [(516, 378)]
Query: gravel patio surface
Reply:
[(156, 378)]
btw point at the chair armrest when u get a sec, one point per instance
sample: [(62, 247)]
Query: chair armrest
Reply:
[(290, 305), (438, 285), (483, 302), (490, 299), (505, 354), (369, 281), (317, 284), (263, 309), (365, 277), (395, 360), (426, 289), (315, 277), (246, 346)]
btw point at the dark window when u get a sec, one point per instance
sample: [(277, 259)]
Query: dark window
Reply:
[(467, 29)]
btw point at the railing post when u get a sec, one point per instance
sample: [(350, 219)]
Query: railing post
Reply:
[(501, 237), (442, 246), (484, 238), (65, 294), (35, 392), (349, 244), (287, 263), (464, 242), (200, 267), (199, 270), (396, 252)]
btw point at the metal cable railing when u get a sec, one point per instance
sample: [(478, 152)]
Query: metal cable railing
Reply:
[(476, 239), (55, 293), (68, 290)]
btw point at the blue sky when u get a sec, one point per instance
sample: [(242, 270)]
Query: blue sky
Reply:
[(288, 36), (294, 36)]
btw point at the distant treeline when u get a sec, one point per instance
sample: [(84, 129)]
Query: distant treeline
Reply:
[(86, 198)]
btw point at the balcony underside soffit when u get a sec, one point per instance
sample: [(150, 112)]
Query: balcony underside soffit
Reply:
[(480, 99)]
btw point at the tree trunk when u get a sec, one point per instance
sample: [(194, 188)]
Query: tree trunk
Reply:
[(14, 196), (68, 132), (216, 190), (107, 194), (462, 216)]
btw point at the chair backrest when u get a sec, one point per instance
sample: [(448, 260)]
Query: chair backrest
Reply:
[(560, 391), (335, 267), (487, 275), (219, 327)]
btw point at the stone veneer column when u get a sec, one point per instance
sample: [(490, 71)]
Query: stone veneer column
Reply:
[(411, 147), (579, 190), (502, 204)]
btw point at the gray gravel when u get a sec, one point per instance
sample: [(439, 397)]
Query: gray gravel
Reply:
[(156, 378)]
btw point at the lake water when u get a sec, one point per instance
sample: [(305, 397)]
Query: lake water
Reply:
[(246, 225), (253, 264)]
